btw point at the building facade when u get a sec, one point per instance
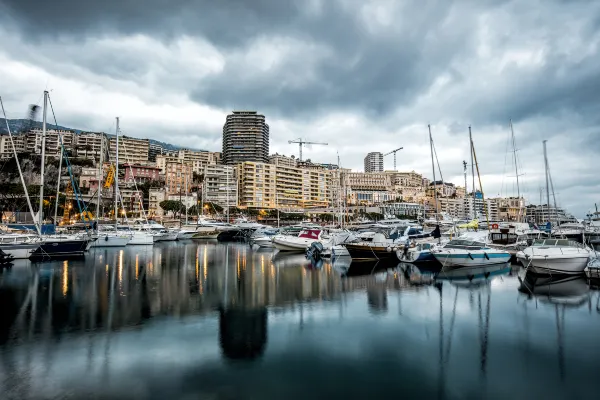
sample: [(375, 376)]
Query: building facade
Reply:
[(178, 177), (374, 162), (136, 173), (220, 185), (280, 159), (245, 138), (131, 150)]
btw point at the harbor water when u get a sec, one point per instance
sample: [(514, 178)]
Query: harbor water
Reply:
[(205, 320)]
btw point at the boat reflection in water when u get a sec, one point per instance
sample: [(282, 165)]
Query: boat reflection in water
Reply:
[(561, 293)]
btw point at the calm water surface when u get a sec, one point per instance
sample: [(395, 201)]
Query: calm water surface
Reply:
[(219, 321)]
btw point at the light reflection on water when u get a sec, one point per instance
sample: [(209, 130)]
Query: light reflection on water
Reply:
[(179, 320)]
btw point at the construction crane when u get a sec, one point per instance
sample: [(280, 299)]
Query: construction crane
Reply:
[(302, 143), (394, 151), (110, 177)]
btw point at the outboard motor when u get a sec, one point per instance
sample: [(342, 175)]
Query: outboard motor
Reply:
[(315, 251)]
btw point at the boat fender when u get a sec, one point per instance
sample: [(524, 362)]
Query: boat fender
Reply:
[(388, 249), (470, 256), (486, 256), (106, 238)]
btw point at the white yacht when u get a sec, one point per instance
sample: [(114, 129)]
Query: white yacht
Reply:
[(210, 225), (299, 243), (469, 253), (555, 256)]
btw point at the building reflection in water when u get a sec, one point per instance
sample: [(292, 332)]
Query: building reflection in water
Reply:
[(116, 288)]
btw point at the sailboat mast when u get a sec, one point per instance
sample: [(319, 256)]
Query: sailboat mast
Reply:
[(547, 178), (433, 169), (58, 185), (186, 198), (117, 176), (514, 145), (43, 162), (465, 203), (485, 206), (100, 162), (472, 168)]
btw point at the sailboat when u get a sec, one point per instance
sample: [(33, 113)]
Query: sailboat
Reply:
[(469, 252), (107, 238), (555, 256)]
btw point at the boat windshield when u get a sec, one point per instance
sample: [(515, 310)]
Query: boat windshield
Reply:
[(464, 244), (557, 242)]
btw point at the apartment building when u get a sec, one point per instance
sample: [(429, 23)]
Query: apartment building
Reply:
[(245, 138), (153, 151), (89, 145), (220, 185), (257, 185), (264, 185), (136, 173), (407, 209), (178, 177), (132, 200), (131, 150), (198, 159), (155, 197), (374, 162), (282, 160), (6, 149)]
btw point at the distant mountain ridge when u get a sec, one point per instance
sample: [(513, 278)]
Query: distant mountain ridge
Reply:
[(21, 125)]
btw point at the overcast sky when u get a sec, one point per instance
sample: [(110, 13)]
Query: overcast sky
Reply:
[(361, 75)]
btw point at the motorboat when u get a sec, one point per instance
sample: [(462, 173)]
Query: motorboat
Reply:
[(209, 225), (297, 243), (263, 237), (185, 234), (469, 253), (206, 234), (166, 235), (420, 254), (381, 247), (555, 256)]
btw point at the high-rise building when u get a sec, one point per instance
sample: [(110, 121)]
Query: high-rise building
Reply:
[(374, 162), (131, 150), (220, 185), (245, 138)]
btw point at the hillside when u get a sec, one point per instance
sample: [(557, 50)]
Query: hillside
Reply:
[(21, 125)]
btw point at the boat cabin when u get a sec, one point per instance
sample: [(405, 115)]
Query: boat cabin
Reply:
[(465, 244)]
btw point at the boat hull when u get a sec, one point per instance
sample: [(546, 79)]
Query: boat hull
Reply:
[(477, 258), (141, 239), (206, 235), (360, 252), (60, 249), (559, 265), (111, 241), (286, 245), (167, 237), (19, 250), (185, 235)]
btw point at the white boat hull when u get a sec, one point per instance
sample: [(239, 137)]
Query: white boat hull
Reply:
[(264, 242), (476, 258), (555, 265), (166, 237), (19, 250), (291, 243), (141, 238), (111, 241), (185, 235)]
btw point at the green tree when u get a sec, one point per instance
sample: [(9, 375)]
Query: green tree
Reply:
[(172, 206)]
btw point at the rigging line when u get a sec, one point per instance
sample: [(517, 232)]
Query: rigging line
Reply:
[(141, 201), (74, 184), (37, 226), (438, 162)]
